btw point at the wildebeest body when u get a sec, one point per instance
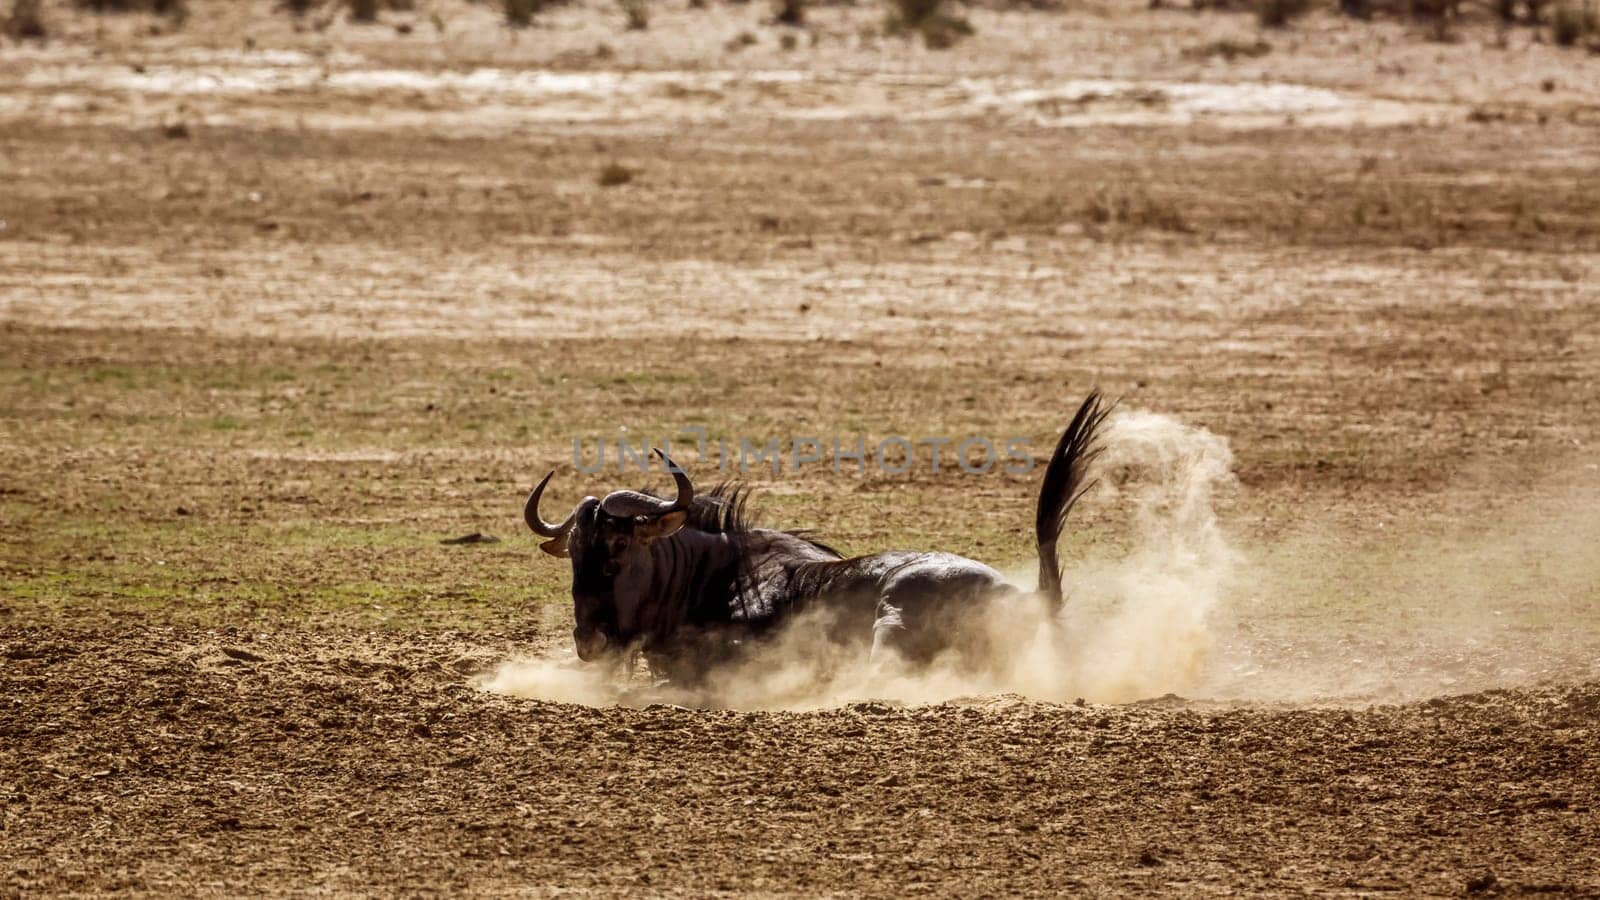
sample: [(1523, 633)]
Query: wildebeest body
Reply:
[(692, 584)]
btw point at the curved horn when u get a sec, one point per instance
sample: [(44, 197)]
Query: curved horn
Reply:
[(530, 514), (685, 486), (632, 503)]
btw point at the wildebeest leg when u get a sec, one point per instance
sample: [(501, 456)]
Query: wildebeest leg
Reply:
[(888, 630)]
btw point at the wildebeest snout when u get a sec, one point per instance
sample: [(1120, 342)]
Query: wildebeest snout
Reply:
[(590, 643)]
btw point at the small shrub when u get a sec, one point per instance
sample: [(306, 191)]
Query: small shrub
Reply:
[(787, 42), (613, 174), (1439, 15), (1356, 9), (939, 29), (1571, 22), (298, 8), (363, 10), (909, 14), (25, 21), (637, 13), (942, 33), (519, 13), (791, 12), (1278, 13)]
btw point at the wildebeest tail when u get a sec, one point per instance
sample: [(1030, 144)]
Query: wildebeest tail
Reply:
[(1063, 485)]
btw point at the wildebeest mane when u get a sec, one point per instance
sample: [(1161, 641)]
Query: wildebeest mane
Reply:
[(725, 509)]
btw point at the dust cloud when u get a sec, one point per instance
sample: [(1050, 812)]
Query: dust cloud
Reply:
[(1183, 607), (560, 678), (1503, 594)]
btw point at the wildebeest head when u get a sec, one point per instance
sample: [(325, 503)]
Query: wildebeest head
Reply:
[(609, 542)]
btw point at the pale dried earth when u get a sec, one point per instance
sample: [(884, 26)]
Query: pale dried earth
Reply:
[(280, 309)]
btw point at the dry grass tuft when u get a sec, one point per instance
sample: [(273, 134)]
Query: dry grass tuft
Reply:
[(25, 21), (1132, 208), (1229, 50), (1107, 210)]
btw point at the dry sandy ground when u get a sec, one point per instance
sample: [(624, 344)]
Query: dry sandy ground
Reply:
[(281, 308), (206, 762)]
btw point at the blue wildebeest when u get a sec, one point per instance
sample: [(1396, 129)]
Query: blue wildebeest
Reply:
[(691, 583)]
